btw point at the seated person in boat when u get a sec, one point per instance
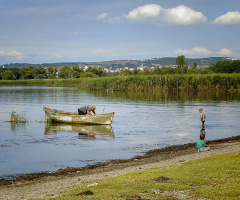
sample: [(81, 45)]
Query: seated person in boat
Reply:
[(86, 110)]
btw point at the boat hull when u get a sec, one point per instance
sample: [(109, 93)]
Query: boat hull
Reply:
[(54, 115)]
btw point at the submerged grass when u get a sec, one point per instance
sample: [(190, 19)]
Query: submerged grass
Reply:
[(18, 117), (215, 177)]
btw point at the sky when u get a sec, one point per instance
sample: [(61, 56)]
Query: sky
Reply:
[(52, 31)]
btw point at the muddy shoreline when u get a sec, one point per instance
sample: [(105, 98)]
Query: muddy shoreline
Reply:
[(49, 186), (150, 157)]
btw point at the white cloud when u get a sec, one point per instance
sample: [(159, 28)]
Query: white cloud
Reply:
[(184, 15), (155, 14), (18, 57), (225, 52), (113, 20), (195, 51), (228, 18), (102, 16), (229, 53), (15, 55)]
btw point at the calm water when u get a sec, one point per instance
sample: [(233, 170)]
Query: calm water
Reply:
[(142, 122)]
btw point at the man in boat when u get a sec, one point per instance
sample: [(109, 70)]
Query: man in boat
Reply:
[(86, 110)]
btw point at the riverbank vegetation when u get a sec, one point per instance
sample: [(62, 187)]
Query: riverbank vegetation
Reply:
[(188, 82), (66, 72), (224, 75), (215, 177)]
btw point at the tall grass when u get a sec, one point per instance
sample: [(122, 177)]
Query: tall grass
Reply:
[(18, 117), (190, 82)]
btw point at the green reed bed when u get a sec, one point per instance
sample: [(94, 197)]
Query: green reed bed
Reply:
[(164, 82), (194, 82), (41, 82), (64, 82), (27, 82)]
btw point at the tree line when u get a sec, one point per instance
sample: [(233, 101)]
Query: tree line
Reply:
[(40, 72), (74, 71)]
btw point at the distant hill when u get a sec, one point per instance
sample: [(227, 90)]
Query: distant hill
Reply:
[(164, 61)]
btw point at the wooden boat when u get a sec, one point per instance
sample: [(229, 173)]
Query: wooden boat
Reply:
[(54, 115), (55, 128)]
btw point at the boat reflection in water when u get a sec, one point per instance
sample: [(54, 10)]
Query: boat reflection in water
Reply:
[(84, 131)]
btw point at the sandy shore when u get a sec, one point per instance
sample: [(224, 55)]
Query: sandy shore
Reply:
[(50, 185)]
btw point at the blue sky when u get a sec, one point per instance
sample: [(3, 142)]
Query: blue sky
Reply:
[(47, 31)]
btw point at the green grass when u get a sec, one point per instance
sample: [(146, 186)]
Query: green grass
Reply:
[(190, 82), (18, 117), (215, 177)]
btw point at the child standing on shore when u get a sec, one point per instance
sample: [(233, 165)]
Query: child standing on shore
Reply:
[(201, 144), (202, 118)]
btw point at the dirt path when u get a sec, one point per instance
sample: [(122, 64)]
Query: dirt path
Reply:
[(49, 186)]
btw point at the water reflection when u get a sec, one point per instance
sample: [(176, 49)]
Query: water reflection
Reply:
[(83, 131), (15, 126), (202, 131), (86, 136), (179, 96), (144, 121)]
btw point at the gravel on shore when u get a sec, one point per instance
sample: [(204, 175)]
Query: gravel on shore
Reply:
[(45, 185)]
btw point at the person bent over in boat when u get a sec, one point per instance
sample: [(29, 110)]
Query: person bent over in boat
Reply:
[(86, 110)]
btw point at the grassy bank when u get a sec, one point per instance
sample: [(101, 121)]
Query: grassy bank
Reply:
[(41, 82), (200, 82), (165, 82), (215, 177)]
